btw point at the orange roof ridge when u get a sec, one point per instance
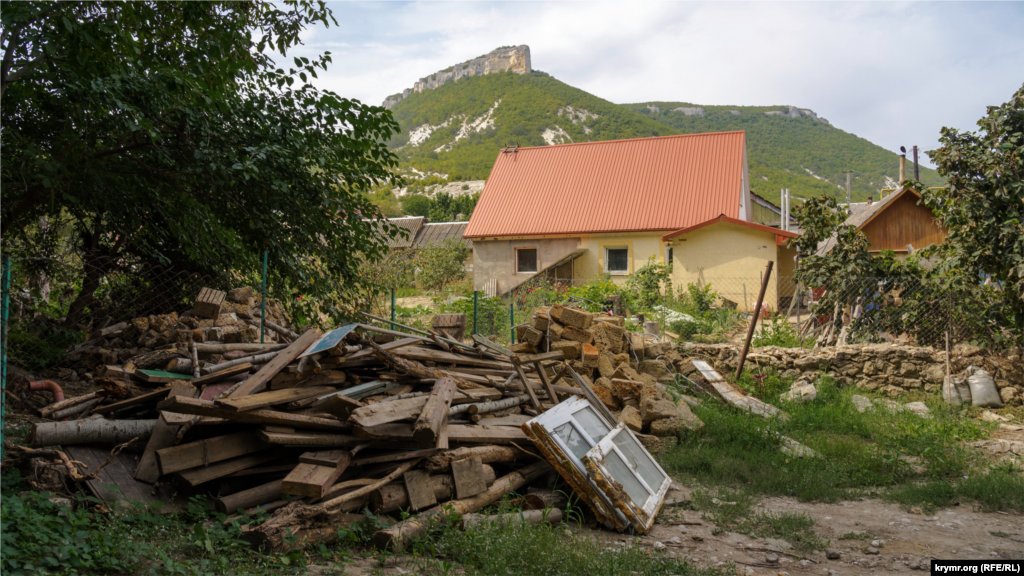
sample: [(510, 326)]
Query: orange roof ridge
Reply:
[(660, 183), (624, 140)]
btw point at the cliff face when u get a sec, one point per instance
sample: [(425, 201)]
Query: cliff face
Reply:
[(511, 58)]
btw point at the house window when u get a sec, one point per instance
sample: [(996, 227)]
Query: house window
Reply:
[(668, 255), (526, 260), (616, 260)]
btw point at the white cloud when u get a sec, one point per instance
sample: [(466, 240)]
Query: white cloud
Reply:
[(891, 73)]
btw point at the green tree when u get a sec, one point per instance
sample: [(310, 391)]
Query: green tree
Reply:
[(416, 205), (165, 132), (982, 209), (442, 264)]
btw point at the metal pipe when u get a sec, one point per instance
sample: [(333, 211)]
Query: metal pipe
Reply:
[(917, 176), (48, 386), (263, 299), (753, 321)]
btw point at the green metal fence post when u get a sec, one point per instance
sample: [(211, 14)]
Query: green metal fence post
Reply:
[(263, 300), (476, 309), (5, 286), (512, 320), (392, 308)]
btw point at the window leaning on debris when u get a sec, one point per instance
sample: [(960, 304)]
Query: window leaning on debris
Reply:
[(616, 260), (597, 452), (526, 260)]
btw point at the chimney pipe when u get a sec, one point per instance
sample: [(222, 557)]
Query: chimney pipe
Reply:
[(916, 175), (869, 201), (903, 169)]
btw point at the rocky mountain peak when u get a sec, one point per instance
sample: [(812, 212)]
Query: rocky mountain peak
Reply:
[(505, 59)]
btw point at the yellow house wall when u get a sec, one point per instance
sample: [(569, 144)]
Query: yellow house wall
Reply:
[(730, 257), (642, 245)]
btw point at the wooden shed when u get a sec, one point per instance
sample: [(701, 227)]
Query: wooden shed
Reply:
[(898, 223)]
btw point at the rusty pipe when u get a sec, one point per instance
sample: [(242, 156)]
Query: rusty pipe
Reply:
[(48, 386)]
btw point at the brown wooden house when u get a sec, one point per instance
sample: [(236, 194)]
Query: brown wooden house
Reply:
[(898, 222)]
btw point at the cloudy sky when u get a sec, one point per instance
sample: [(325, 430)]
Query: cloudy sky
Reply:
[(893, 73)]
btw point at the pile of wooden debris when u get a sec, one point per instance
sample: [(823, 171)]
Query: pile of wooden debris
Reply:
[(321, 426)]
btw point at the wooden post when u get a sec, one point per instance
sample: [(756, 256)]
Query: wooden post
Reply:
[(753, 321), (435, 412)]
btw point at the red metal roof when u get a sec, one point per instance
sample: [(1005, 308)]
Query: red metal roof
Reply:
[(643, 184), (724, 218)]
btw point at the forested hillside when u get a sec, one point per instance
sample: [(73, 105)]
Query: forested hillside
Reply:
[(463, 124), (805, 154), (456, 130)]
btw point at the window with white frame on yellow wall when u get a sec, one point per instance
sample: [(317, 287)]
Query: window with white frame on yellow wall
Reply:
[(616, 260)]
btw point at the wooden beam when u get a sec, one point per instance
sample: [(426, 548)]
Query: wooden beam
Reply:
[(384, 412), (435, 412), (218, 376), (207, 408), (259, 380), (163, 436), (197, 476), (368, 352), (204, 452), (142, 399), (264, 399)]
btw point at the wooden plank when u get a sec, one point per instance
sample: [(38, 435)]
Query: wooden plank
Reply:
[(476, 395), (458, 433), (202, 474), (225, 373), (491, 345), (533, 358), (208, 303), (309, 439), (207, 408), (384, 412), (368, 389), (529, 389), (468, 474), (160, 377), (204, 452), (258, 381), (324, 457), (434, 413), (442, 436), (546, 382), (368, 352), (430, 355), (114, 484), (163, 436), (420, 489), (510, 420), (264, 399), (142, 399), (395, 457), (337, 404), (310, 480), (733, 395)]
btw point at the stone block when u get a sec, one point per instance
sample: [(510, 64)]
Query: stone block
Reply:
[(554, 332), (555, 313), (569, 348), (626, 388), (607, 397), (665, 427), (529, 334), (631, 417), (208, 303), (605, 365), (522, 348), (540, 321), (575, 334), (625, 372), (687, 418), (576, 318), (801, 391), (590, 355), (244, 295), (1008, 394), (653, 408)]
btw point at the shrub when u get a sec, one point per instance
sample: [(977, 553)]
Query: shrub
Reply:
[(442, 263)]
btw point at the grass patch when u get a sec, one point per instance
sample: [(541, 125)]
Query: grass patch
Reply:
[(521, 549), (911, 460), (40, 537), (733, 510), (856, 536)]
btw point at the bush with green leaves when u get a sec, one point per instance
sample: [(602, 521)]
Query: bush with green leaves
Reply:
[(442, 264), (779, 332), (648, 284)]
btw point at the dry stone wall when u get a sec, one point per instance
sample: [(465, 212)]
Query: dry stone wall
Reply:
[(888, 368)]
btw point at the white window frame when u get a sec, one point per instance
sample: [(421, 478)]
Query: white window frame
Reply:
[(607, 260), (515, 263), (640, 514), (618, 513), (669, 254)]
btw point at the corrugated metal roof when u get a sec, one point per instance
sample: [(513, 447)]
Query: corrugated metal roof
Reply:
[(440, 231), (738, 222), (664, 183), (410, 223)]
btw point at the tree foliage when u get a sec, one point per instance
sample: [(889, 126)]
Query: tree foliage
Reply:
[(442, 264), (982, 209), (165, 132)]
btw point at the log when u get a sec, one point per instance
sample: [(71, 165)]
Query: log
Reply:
[(400, 535), (141, 399), (488, 407), (46, 411), (394, 497), (291, 335), (222, 374), (76, 410), (250, 498), (367, 489), (435, 412), (94, 431), (552, 516)]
